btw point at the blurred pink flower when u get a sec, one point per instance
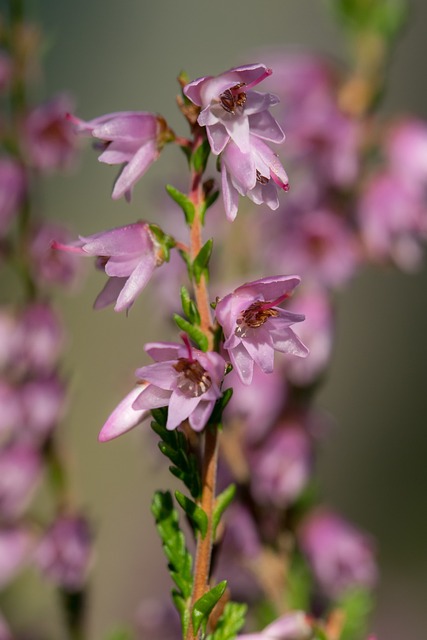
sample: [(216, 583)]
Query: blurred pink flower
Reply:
[(43, 405), (16, 545), (231, 110), (128, 255), (51, 266), (131, 138), (20, 471), (48, 135), (65, 552), (291, 626), (41, 339), (340, 555), (254, 326), (281, 466), (12, 191), (406, 151)]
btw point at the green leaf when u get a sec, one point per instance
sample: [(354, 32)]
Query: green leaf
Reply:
[(230, 623), (204, 605), (183, 201), (179, 559), (201, 261), (210, 200), (189, 307), (299, 583), (200, 157), (194, 512), (120, 634), (194, 332), (357, 605), (221, 503), (220, 404)]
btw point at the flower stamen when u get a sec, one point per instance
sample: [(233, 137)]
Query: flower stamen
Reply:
[(193, 380)]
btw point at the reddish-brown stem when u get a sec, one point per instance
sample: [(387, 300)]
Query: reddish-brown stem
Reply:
[(207, 502)]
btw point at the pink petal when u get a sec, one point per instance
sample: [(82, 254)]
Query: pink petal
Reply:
[(109, 293), (152, 397), (124, 417), (135, 283), (264, 126), (180, 407), (139, 164), (242, 363), (287, 341), (201, 415)]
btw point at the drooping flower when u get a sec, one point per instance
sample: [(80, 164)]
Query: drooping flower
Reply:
[(48, 135), (128, 255), (124, 417), (65, 552), (131, 138), (291, 626), (257, 174), (184, 379), (230, 109), (20, 470), (340, 555), (254, 326)]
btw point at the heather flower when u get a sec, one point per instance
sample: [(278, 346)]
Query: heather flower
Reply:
[(340, 555), (43, 406), (20, 470), (124, 417), (185, 379), (256, 174), (65, 552), (16, 544), (254, 326), (406, 150), (131, 138), (393, 221), (231, 110), (51, 266), (41, 339), (12, 191), (318, 244), (48, 135), (254, 408), (128, 255), (281, 466), (291, 626)]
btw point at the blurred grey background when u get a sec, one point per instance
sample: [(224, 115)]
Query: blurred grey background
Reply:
[(118, 55)]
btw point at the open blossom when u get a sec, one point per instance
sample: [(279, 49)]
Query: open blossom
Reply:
[(128, 255), (230, 109), (185, 379), (254, 326), (291, 626), (257, 174), (131, 138)]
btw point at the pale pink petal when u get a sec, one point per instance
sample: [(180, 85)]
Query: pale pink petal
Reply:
[(242, 363), (124, 417), (109, 293), (180, 407), (287, 341), (139, 164), (135, 283), (201, 415), (152, 397)]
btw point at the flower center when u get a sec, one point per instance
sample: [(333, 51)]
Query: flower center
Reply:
[(232, 98), (253, 317), (192, 379), (261, 179)]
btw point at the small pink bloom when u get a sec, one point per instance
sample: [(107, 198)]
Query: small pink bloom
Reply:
[(51, 266), (41, 339), (256, 174), (48, 135), (184, 379), (131, 138), (230, 109), (20, 471), (12, 191), (406, 149), (65, 552), (16, 544), (125, 416), (129, 256), (291, 626), (254, 326), (43, 404), (340, 555), (281, 466)]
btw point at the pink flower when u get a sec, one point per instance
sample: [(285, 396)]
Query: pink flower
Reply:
[(340, 555), (128, 255), (281, 466), (48, 135), (256, 174), (230, 109), (50, 266), (12, 191), (16, 544), (183, 378), (41, 339), (291, 626), (125, 416), (20, 470), (64, 554), (131, 138), (406, 148), (254, 326)]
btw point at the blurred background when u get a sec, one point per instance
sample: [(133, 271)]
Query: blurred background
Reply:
[(113, 56)]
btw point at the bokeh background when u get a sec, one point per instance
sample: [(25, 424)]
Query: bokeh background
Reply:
[(118, 55)]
